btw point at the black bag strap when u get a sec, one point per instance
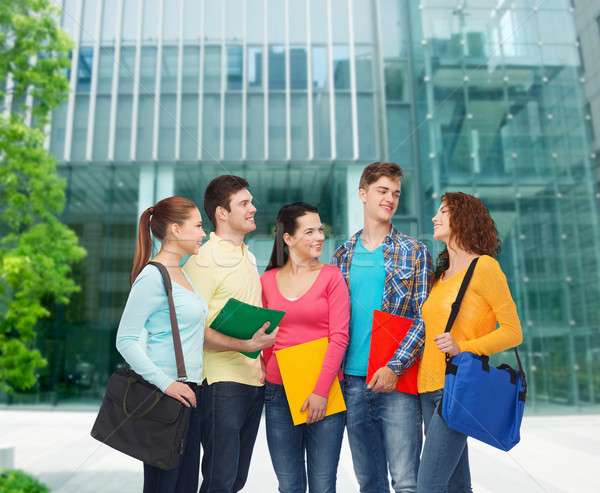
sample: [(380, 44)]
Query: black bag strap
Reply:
[(459, 297), (181, 373), (454, 313)]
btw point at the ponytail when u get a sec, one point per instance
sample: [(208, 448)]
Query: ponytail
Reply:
[(143, 246)]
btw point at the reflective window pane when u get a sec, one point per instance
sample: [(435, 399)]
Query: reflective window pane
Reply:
[(298, 68), (145, 127), (129, 29), (364, 68), (297, 21), (213, 20), (366, 125), (321, 125), (189, 132), (212, 68), (341, 67), (105, 70), (167, 115), (84, 70), (318, 21), (88, 25), (255, 129), (277, 67), (235, 61), (255, 21), (233, 126), (101, 128), (211, 127), (123, 131), (109, 25), (234, 21), (299, 125), (192, 20), (80, 127), (150, 23), (191, 69), (171, 16), (319, 66), (255, 66), (277, 127), (343, 125), (276, 26), (340, 27)]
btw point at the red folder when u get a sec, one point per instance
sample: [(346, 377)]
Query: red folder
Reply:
[(387, 333)]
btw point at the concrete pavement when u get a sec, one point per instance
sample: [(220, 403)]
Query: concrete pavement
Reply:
[(558, 454)]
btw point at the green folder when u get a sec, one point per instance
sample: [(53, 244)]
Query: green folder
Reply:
[(241, 320)]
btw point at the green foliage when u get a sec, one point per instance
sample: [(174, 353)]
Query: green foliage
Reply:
[(37, 250), (14, 481)]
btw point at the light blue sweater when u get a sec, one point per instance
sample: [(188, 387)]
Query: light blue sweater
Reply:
[(147, 308)]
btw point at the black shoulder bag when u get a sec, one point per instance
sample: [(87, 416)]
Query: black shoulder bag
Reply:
[(136, 418)]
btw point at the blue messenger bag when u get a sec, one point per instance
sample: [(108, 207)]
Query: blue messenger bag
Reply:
[(479, 400)]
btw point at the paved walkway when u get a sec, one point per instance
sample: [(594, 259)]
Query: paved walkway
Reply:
[(558, 454)]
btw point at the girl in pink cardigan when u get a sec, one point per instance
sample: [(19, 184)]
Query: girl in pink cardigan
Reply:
[(316, 301)]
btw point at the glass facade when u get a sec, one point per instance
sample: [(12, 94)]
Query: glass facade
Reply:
[(298, 96)]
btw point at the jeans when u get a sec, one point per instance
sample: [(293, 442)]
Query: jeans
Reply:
[(445, 460), (384, 431), (230, 418), (184, 477), (320, 442)]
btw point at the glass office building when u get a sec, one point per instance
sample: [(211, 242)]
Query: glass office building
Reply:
[(481, 96)]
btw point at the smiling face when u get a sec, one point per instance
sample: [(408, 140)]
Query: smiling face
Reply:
[(441, 224), (380, 199), (189, 234), (240, 218), (307, 241)]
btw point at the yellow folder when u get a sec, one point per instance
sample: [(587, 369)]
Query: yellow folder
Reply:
[(300, 367)]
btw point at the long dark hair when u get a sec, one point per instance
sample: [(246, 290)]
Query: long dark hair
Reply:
[(287, 222), (172, 210), (471, 228)]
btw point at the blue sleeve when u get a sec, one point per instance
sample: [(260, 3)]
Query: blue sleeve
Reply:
[(147, 296)]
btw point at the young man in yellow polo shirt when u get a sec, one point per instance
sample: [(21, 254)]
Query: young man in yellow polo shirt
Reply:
[(232, 391)]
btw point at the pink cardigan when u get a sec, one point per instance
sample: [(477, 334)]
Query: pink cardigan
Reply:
[(323, 311)]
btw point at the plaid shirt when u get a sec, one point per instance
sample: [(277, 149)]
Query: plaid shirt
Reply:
[(408, 279)]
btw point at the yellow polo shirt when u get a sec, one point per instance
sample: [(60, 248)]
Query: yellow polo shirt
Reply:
[(221, 271)]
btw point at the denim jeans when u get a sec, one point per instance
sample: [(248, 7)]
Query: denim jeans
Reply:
[(384, 431), (184, 477), (445, 460), (230, 418), (320, 442)]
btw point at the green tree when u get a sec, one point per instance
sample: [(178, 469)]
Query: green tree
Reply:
[(36, 250)]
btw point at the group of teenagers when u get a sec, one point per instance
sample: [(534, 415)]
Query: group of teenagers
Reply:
[(378, 268)]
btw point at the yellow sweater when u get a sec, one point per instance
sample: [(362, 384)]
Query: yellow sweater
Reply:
[(487, 301)]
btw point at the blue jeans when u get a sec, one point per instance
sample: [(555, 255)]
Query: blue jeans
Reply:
[(384, 431), (230, 418), (184, 477), (321, 442), (445, 460)]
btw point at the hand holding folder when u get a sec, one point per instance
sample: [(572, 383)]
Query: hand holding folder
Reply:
[(300, 367), (241, 320), (387, 333)]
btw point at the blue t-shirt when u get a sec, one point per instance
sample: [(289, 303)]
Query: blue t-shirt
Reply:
[(367, 281)]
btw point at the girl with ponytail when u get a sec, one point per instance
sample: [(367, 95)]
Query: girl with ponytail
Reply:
[(177, 224)]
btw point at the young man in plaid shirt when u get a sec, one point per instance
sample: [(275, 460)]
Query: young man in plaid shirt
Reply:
[(389, 271)]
